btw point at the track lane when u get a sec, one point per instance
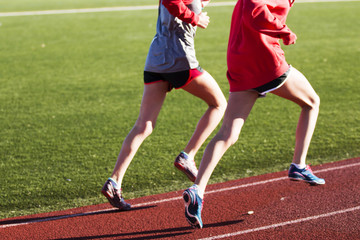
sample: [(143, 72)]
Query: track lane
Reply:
[(282, 208)]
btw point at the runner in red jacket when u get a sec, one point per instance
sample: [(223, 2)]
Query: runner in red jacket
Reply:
[(256, 66), (254, 54)]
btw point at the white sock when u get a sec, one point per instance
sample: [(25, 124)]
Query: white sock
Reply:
[(200, 193), (299, 166)]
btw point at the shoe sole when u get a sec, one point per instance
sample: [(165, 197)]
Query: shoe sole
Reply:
[(109, 198), (185, 171), (192, 220), (302, 179)]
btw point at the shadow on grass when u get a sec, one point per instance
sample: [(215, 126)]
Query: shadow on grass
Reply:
[(156, 233), (11, 222)]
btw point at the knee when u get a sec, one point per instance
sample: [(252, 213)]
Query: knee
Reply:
[(229, 136), (220, 105), (316, 101), (313, 103), (233, 139), (144, 128)]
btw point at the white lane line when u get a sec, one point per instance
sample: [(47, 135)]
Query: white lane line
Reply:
[(245, 185), (132, 8), (280, 178), (173, 198), (83, 10), (283, 223)]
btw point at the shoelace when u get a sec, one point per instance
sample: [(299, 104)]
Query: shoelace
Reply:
[(308, 168), (192, 162)]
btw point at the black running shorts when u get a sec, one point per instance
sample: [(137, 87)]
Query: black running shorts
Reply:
[(176, 79)]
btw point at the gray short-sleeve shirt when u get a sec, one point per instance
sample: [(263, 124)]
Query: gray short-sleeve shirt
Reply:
[(173, 47)]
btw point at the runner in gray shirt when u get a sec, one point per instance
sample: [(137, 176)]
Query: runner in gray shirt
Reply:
[(171, 63)]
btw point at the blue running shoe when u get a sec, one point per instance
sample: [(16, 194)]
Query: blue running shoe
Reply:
[(305, 174), (193, 207)]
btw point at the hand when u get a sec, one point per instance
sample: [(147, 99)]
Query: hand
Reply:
[(290, 39), (204, 20)]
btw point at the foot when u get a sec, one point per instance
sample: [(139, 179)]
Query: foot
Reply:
[(114, 196), (193, 207), (187, 166), (305, 174)]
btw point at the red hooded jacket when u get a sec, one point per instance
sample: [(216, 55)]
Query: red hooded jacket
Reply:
[(254, 55)]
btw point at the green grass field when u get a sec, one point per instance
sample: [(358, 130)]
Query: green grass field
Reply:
[(71, 86)]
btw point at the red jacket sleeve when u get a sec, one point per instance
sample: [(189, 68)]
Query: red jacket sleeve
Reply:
[(178, 9), (258, 15)]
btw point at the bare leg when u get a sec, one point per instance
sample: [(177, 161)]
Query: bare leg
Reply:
[(298, 89), (153, 98), (238, 109), (206, 88)]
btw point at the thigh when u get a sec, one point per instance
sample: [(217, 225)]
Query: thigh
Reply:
[(206, 88), (237, 111), (152, 100), (297, 89)]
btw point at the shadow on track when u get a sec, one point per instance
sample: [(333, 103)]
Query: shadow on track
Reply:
[(155, 234), (59, 217)]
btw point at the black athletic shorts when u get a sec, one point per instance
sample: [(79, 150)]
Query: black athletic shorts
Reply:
[(274, 84), (176, 79)]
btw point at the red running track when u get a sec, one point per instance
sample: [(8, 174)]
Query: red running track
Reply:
[(283, 209)]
